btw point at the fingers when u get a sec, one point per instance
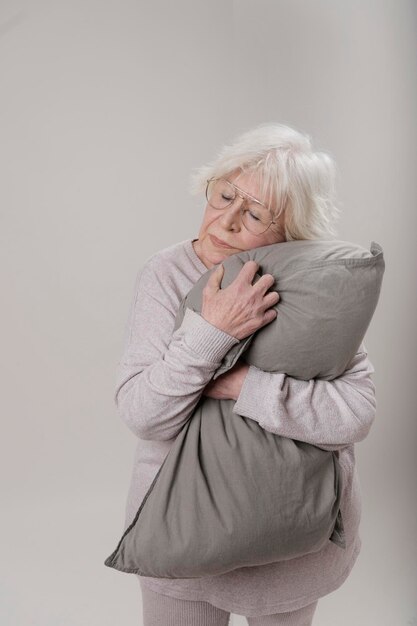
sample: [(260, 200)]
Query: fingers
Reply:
[(248, 271), (246, 274), (271, 298), (264, 283), (269, 316)]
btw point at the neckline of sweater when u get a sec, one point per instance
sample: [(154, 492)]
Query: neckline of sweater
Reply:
[(194, 256)]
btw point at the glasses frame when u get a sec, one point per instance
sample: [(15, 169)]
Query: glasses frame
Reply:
[(244, 197)]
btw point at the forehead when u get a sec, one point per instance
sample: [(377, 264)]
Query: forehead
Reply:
[(250, 182)]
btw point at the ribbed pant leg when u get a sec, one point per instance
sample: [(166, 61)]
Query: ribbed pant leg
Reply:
[(161, 610), (299, 617)]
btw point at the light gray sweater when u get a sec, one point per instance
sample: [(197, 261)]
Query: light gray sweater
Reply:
[(160, 379)]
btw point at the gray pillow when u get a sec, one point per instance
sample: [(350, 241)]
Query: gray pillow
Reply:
[(230, 494), (328, 291)]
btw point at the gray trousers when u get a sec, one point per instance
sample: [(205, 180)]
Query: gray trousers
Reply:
[(161, 610)]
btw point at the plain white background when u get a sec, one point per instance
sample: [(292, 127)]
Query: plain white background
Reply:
[(106, 106)]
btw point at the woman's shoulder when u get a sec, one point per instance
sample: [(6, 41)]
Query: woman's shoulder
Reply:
[(161, 268), (170, 254)]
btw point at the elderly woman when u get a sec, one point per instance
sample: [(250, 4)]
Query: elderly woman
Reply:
[(269, 186)]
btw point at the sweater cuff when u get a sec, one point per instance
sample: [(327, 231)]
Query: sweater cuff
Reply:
[(207, 340), (256, 391)]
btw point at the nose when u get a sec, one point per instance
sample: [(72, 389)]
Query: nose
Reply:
[(233, 213)]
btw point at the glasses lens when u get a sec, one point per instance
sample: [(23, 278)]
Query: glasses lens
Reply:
[(256, 218), (221, 194)]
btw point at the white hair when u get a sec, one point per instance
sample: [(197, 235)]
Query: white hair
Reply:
[(292, 177)]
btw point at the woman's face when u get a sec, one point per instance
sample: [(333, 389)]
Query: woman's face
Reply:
[(227, 225)]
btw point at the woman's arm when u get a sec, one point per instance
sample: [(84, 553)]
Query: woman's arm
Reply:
[(161, 374), (329, 414)]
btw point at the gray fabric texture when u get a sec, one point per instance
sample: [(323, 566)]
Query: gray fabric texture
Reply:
[(328, 294), (230, 494), (163, 610)]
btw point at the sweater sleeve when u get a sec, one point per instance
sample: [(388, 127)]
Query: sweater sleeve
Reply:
[(162, 373), (328, 414)]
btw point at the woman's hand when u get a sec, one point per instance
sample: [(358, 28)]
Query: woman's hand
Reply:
[(228, 385), (241, 308)]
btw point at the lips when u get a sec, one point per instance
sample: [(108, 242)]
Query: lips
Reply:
[(219, 242)]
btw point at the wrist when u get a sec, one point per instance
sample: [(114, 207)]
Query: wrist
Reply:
[(241, 380)]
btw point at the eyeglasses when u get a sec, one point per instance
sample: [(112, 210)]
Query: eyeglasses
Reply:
[(256, 217)]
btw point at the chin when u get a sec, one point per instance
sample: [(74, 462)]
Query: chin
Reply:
[(223, 255)]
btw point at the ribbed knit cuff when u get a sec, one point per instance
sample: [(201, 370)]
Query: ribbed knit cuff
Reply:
[(207, 340), (255, 392)]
